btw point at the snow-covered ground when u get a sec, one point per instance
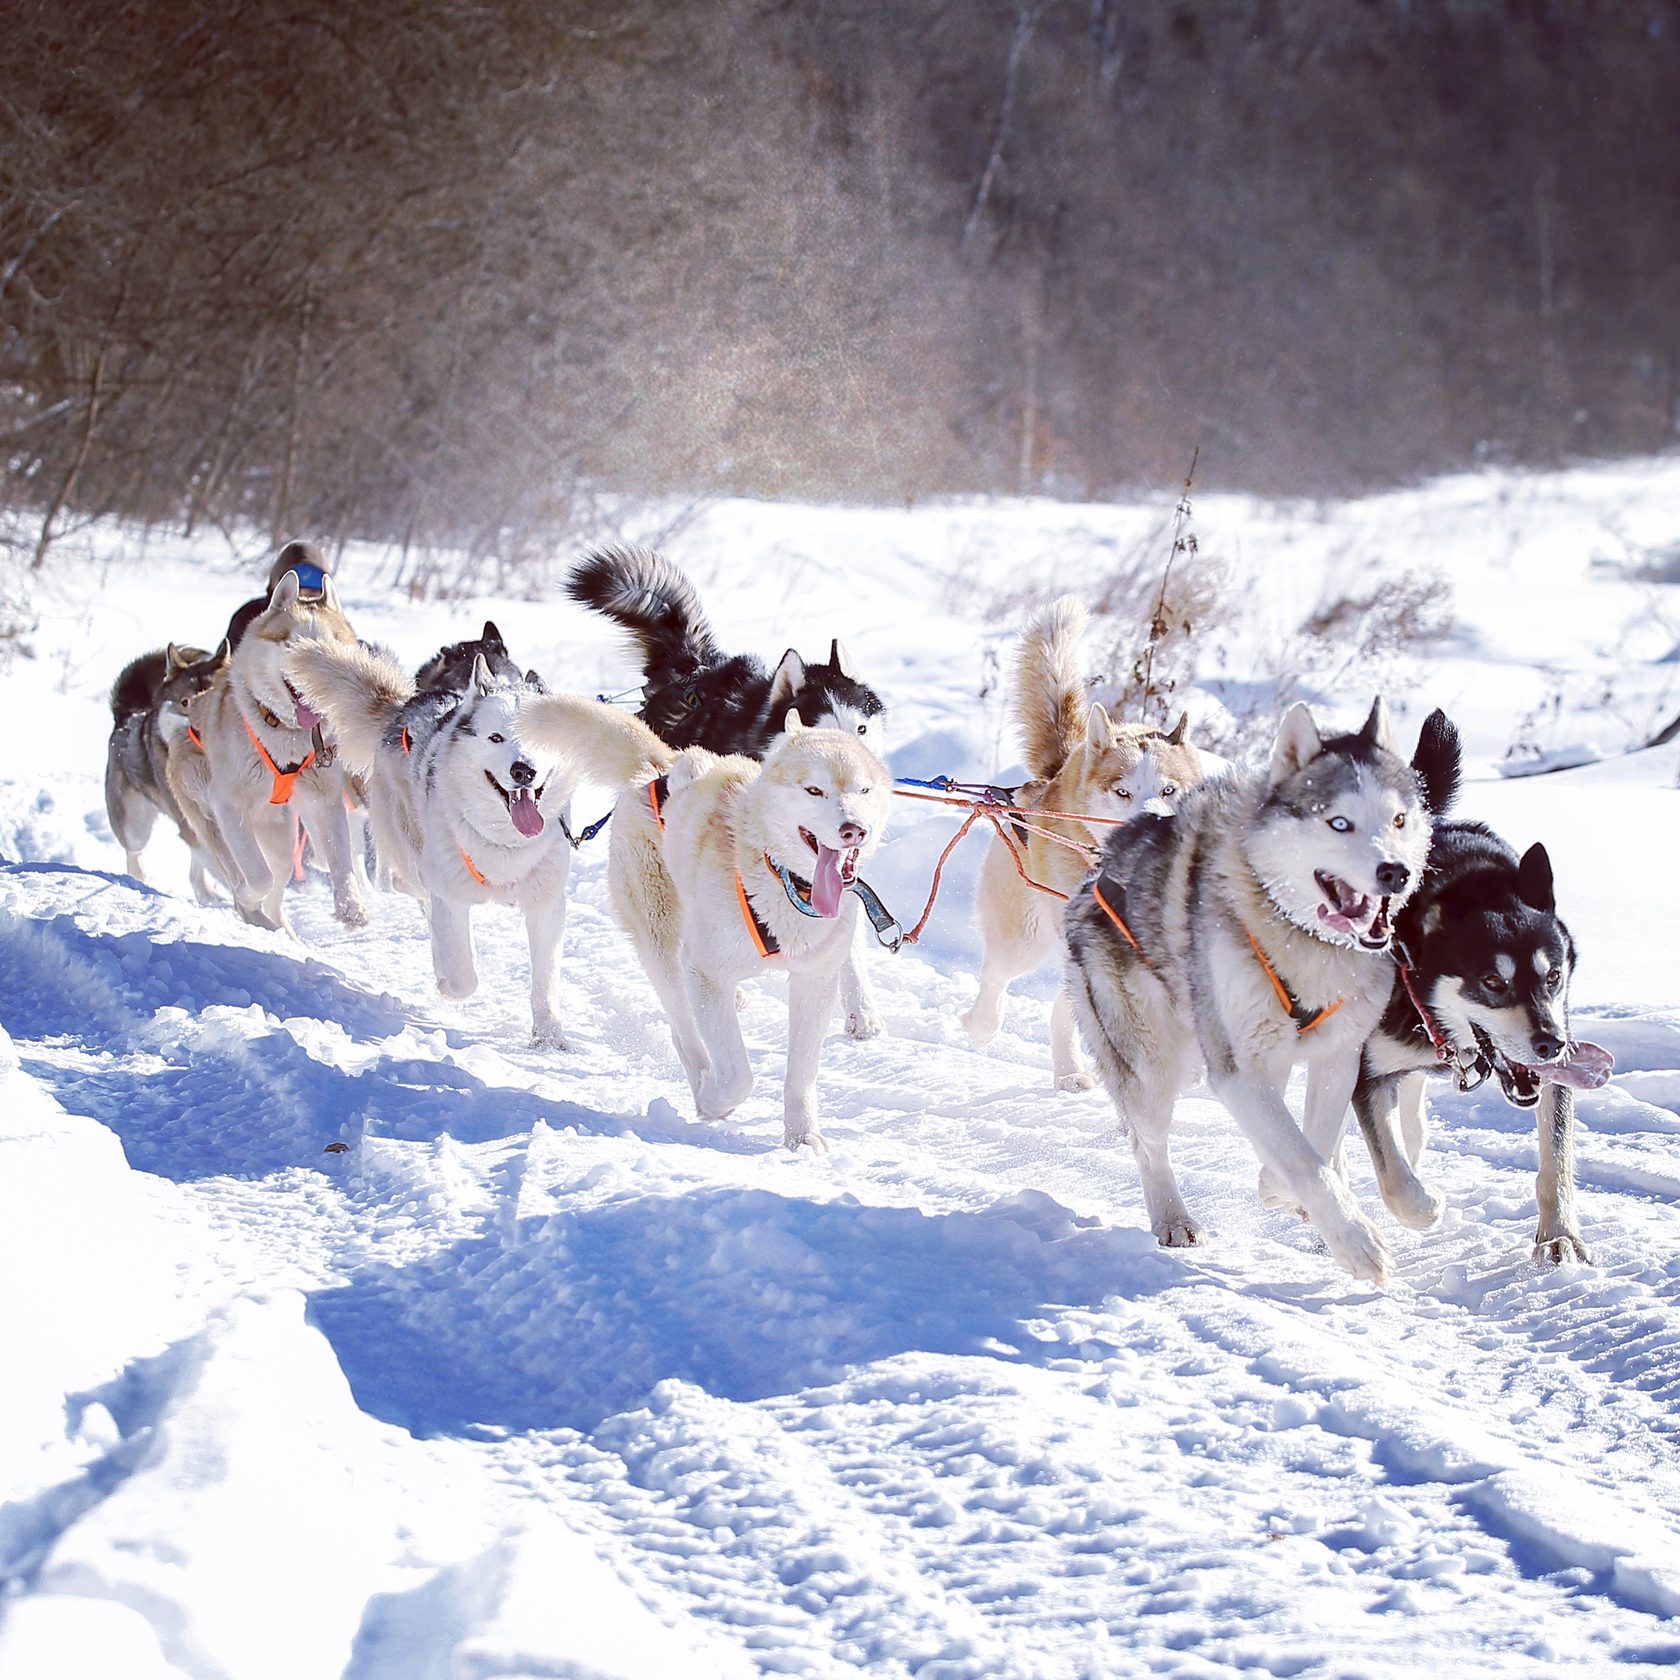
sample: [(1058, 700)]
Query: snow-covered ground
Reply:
[(540, 1377)]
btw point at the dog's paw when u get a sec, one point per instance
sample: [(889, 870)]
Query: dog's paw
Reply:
[(1415, 1205), (457, 991), (864, 1023), (981, 1028), (1358, 1247), (1081, 1079), (549, 1037), (352, 914), (1561, 1249), (812, 1140), (1273, 1194), (1182, 1232)]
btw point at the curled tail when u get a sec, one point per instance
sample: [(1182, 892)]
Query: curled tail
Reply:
[(1437, 762), (136, 688), (651, 598), (598, 742), (1050, 694), (357, 689)]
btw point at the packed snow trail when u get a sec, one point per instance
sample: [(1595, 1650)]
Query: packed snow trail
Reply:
[(540, 1376)]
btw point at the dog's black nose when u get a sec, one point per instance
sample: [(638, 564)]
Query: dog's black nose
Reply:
[(1547, 1048), (1391, 877), (521, 774), (853, 834)]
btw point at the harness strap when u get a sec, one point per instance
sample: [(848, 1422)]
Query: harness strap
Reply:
[(763, 939), (194, 737), (589, 833), (285, 781), (1303, 1018), (1443, 1050), (1119, 922), (472, 868), (657, 791), (407, 742)]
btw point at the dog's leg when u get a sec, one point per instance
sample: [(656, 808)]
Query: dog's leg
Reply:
[(259, 874), (545, 926), (1257, 1106), (810, 1008), (1013, 941), (857, 997), (1378, 1104), (1414, 1115), (131, 814), (1065, 1068), (727, 1079), (322, 813), (1558, 1238), (452, 949)]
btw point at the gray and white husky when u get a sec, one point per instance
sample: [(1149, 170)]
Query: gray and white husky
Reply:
[(465, 808), (1250, 931)]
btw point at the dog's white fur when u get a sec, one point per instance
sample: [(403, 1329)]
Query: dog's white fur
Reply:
[(252, 839), (674, 887), (1081, 762)]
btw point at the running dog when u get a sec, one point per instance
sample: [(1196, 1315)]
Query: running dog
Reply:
[(1252, 928), (466, 807), (149, 712), (695, 695), (1081, 762), (1481, 987), (719, 867), (265, 762)]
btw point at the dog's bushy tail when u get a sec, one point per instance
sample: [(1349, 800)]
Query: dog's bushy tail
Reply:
[(357, 689), (598, 742), (137, 685), (651, 598), (1438, 763), (1050, 694)]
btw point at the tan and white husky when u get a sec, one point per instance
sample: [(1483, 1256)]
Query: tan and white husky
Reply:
[(264, 767), (1082, 762), (726, 866)]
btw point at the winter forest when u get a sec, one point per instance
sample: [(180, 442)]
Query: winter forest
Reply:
[(1167, 515)]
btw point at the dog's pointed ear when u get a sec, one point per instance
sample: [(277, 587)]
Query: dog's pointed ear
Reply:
[(1379, 728), (285, 592), (329, 593), (172, 660), (482, 678), (1297, 744), (532, 680), (1534, 879), (1099, 729), (1175, 736), (838, 661), (789, 677), (223, 653), (793, 723)]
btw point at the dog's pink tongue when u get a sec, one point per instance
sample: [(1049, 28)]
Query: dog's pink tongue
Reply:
[(827, 888), (526, 813), (307, 716), (1586, 1067)]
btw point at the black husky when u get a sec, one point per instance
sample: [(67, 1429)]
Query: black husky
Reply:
[(450, 669), (1482, 988), (695, 695)]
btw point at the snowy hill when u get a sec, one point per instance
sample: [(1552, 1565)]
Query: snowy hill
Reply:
[(541, 1377)]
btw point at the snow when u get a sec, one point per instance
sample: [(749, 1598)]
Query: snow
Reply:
[(542, 1377)]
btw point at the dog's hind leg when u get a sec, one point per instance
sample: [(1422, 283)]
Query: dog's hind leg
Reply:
[(545, 927), (324, 816), (132, 814), (452, 949), (1558, 1238), (1065, 1068), (1379, 1104), (859, 1016)]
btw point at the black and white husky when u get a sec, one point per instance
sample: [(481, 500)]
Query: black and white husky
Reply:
[(464, 809), (1250, 931), (1481, 990), (696, 695)]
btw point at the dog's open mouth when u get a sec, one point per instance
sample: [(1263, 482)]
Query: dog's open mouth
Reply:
[(1357, 915), (834, 872), (1582, 1067), (307, 716), (523, 809)]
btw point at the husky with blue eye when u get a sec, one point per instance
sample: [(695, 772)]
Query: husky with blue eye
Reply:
[(1481, 991), (696, 695), (1250, 932)]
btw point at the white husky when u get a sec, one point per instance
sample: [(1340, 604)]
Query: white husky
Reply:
[(726, 866), (264, 763), (466, 807)]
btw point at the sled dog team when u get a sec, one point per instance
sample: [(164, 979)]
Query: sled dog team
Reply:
[(1324, 910)]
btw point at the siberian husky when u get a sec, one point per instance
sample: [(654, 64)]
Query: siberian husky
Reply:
[(1252, 928), (1081, 762), (149, 713), (723, 866), (466, 807), (695, 695), (1481, 988), (264, 759)]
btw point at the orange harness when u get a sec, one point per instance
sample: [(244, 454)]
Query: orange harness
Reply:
[(285, 781), (764, 941), (192, 735), (472, 868), (1304, 1020)]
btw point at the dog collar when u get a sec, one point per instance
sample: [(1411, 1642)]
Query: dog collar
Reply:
[(285, 781), (888, 929), (1446, 1053)]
